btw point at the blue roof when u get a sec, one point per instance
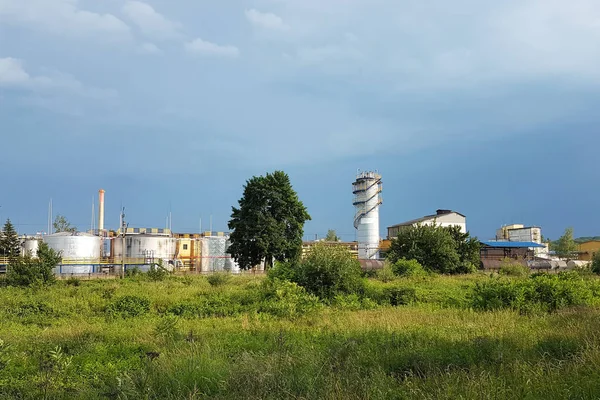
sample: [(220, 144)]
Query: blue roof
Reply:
[(512, 244)]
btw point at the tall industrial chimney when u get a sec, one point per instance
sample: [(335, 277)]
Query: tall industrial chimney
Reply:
[(100, 210)]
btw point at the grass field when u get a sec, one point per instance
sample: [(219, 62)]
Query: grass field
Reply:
[(183, 338)]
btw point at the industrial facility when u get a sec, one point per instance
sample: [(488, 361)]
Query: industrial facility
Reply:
[(110, 252), (103, 252)]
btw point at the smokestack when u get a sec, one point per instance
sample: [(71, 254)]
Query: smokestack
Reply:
[(100, 210)]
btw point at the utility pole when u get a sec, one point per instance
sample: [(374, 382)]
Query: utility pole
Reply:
[(123, 229)]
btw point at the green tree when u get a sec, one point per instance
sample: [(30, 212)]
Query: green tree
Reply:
[(9, 241), (329, 270), (332, 236), (565, 246), (27, 271), (61, 224), (468, 247), (269, 223), (439, 249)]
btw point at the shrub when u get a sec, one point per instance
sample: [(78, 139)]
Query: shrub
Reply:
[(596, 263), (218, 278), (440, 249), (287, 299), (404, 267), (282, 271), (28, 271), (157, 272), (133, 272), (386, 274), (329, 270), (540, 292), (511, 268), (129, 306), (72, 281), (398, 296)]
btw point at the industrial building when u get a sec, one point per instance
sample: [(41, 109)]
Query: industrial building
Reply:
[(440, 218), (493, 253), (588, 249), (522, 233), (352, 247)]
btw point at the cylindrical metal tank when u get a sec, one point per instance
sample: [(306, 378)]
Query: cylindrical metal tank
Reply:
[(367, 199), (215, 257), (79, 251), (30, 246), (145, 250)]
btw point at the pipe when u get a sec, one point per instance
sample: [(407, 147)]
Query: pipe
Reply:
[(100, 210)]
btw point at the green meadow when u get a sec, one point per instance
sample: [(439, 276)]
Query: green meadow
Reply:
[(229, 337)]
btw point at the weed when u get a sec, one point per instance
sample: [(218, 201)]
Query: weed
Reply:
[(218, 278)]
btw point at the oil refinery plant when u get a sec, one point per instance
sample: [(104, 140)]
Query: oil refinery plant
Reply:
[(104, 252)]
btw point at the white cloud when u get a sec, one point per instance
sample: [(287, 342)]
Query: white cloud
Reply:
[(202, 47), (63, 17), (149, 48), (150, 22), (265, 20), (13, 74)]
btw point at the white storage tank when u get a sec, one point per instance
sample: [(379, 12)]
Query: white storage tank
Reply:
[(79, 251), (215, 257), (145, 249), (30, 246)]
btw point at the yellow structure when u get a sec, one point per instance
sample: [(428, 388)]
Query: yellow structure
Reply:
[(351, 246), (189, 250), (588, 249)]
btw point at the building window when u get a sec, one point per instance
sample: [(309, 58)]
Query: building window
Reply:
[(185, 246)]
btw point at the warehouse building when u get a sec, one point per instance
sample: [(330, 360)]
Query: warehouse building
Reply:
[(440, 218)]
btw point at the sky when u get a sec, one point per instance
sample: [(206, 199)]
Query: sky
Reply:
[(486, 108)]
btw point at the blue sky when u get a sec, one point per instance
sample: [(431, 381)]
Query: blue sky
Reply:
[(488, 108)]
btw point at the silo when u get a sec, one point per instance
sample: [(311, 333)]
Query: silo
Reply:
[(79, 251), (367, 199), (144, 250)]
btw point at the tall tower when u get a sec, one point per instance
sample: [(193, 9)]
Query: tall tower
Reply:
[(367, 199)]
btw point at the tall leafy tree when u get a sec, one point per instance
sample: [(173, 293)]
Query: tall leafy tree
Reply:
[(565, 246), (9, 241), (468, 247), (269, 223), (440, 249), (332, 236), (61, 224)]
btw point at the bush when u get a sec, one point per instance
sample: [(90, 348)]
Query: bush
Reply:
[(72, 281), (329, 270), (398, 296), (283, 271), (28, 271), (386, 274), (218, 278), (540, 292), (404, 267), (287, 299), (439, 249), (129, 306), (157, 272), (511, 268), (596, 263)]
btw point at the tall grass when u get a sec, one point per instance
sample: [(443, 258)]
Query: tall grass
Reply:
[(250, 339)]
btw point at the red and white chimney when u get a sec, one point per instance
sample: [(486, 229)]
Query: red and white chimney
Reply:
[(100, 210)]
